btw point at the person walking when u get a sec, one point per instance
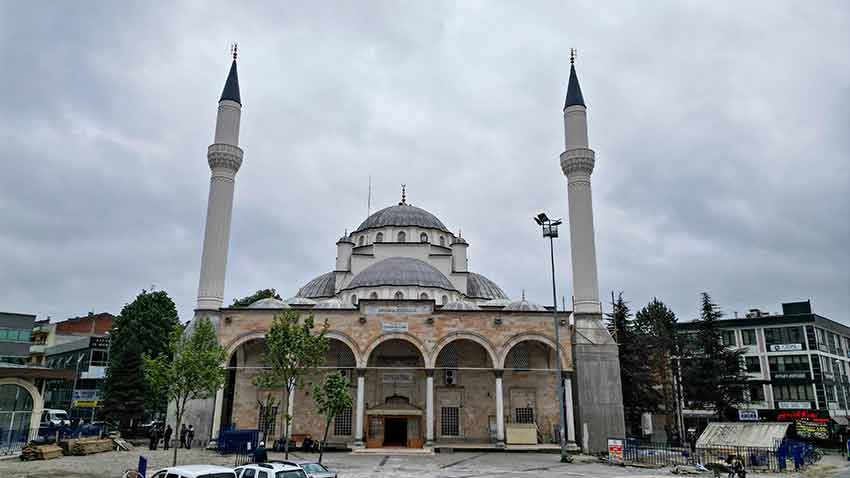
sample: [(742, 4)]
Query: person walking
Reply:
[(166, 437), (183, 436), (260, 454), (154, 437), (190, 435)]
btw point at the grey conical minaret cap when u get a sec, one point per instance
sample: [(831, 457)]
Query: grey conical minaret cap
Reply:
[(231, 87), (574, 96)]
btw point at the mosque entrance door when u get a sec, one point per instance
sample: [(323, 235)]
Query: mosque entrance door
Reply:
[(395, 431)]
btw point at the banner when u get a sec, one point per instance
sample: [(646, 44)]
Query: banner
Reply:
[(615, 451)]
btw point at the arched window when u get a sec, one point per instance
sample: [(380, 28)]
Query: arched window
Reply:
[(360, 241), (373, 295), (379, 237), (353, 300), (15, 409), (423, 296), (401, 236), (445, 299), (442, 241), (423, 237), (399, 295)]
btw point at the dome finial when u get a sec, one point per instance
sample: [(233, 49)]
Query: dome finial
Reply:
[(572, 56), (403, 195)]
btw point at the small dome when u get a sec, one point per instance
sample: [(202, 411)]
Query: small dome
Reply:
[(333, 304), (460, 305), (270, 303), (525, 306), (496, 303), (322, 286), (480, 287), (300, 301), (401, 271), (402, 215)]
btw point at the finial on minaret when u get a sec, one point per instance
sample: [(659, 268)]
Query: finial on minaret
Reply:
[(572, 56), (523, 294), (234, 50), (403, 195)]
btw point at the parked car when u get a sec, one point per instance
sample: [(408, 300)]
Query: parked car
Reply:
[(55, 417), (195, 471), (317, 470), (270, 470)]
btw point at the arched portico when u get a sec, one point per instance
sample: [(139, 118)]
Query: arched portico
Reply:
[(532, 337), (464, 336), (345, 340), (35, 404), (397, 336)]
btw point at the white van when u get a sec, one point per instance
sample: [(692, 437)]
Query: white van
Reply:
[(195, 471), (52, 416)]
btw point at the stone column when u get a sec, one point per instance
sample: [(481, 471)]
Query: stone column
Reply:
[(570, 413), (500, 410), (216, 418), (429, 407), (361, 408)]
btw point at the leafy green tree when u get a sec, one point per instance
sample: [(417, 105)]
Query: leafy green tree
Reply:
[(142, 327), (655, 324), (332, 398), (292, 351), (260, 294), (713, 374), (192, 372)]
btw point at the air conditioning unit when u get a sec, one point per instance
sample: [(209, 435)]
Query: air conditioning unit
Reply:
[(450, 377)]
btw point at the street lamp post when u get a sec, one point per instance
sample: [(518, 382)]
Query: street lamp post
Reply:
[(550, 230)]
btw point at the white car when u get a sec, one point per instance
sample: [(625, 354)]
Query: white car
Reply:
[(55, 417), (270, 470), (195, 471)]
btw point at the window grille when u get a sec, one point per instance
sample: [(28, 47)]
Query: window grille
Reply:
[(518, 357), (271, 416), (342, 423), (448, 356), (449, 425), (399, 295), (524, 415)]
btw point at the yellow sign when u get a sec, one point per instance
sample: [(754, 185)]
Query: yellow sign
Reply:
[(86, 403)]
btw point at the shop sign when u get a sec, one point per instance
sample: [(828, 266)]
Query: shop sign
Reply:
[(787, 375), (786, 347), (615, 451), (86, 403), (812, 429), (86, 395), (796, 405), (393, 327), (819, 416), (748, 415)]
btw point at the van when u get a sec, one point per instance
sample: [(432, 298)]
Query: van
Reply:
[(52, 416)]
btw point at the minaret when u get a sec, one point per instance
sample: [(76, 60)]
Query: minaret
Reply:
[(224, 157), (598, 391)]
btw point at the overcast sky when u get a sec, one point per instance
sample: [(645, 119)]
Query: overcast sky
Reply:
[(721, 129)]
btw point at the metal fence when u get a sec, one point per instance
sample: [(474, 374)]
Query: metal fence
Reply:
[(788, 454), (12, 441)]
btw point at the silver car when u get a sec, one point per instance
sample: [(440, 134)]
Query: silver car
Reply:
[(317, 470)]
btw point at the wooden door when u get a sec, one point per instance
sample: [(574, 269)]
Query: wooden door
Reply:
[(375, 432)]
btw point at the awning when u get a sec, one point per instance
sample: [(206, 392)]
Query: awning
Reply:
[(761, 435), (841, 420)]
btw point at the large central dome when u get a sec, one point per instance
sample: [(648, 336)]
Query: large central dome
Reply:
[(402, 215)]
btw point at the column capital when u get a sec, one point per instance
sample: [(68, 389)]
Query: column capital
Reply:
[(499, 372), (429, 372), (361, 372), (566, 375)]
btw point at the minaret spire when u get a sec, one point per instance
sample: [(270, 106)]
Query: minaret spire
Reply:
[(574, 96), (231, 86)]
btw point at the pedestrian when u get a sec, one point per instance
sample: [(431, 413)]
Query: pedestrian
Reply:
[(260, 454), (166, 437), (190, 435), (154, 437), (183, 436)]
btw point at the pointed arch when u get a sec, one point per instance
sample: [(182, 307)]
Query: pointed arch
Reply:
[(407, 337), (534, 337), (471, 336), (348, 341)]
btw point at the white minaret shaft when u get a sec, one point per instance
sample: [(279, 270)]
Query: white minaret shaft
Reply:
[(224, 157), (577, 164)]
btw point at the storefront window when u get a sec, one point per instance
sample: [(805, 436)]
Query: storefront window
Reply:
[(15, 413)]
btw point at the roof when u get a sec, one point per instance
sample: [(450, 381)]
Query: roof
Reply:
[(400, 271), (269, 303), (32, 371), (740, 434), (402, 215), (322, 286), (191, 471), (333, 303), (525, 306), (231, 86), (480, 287), (460, 305), (772, 320), (496, 303), (574, 96)]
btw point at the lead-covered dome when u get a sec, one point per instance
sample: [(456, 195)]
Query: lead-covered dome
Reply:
[(480, 287), (402, 215), (320, 287), (401, 271)]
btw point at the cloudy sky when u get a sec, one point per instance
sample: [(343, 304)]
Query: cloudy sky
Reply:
[(721, 131)]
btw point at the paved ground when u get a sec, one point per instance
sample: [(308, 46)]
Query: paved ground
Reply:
[(453, 465)]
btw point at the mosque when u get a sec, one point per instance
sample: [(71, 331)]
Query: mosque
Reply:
[(435, 353)]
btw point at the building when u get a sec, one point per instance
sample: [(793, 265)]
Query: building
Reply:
[(796, 360), (87, 359), (15, 332), (46, 334), (435, 352)]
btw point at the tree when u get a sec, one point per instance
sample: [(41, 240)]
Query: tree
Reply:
[(268, 411), (194, 371), (292, 350), (332, 398), (712, 373), (142, 327), (260, 294)]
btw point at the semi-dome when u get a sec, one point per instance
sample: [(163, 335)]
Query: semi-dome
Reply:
[(269, 303), (480, 287), (460, 305), (400, 271), (525, 306), (402, 215), (320, 287)]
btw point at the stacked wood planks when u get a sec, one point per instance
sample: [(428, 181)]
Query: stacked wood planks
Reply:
[(86, 446), (40, 452)]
